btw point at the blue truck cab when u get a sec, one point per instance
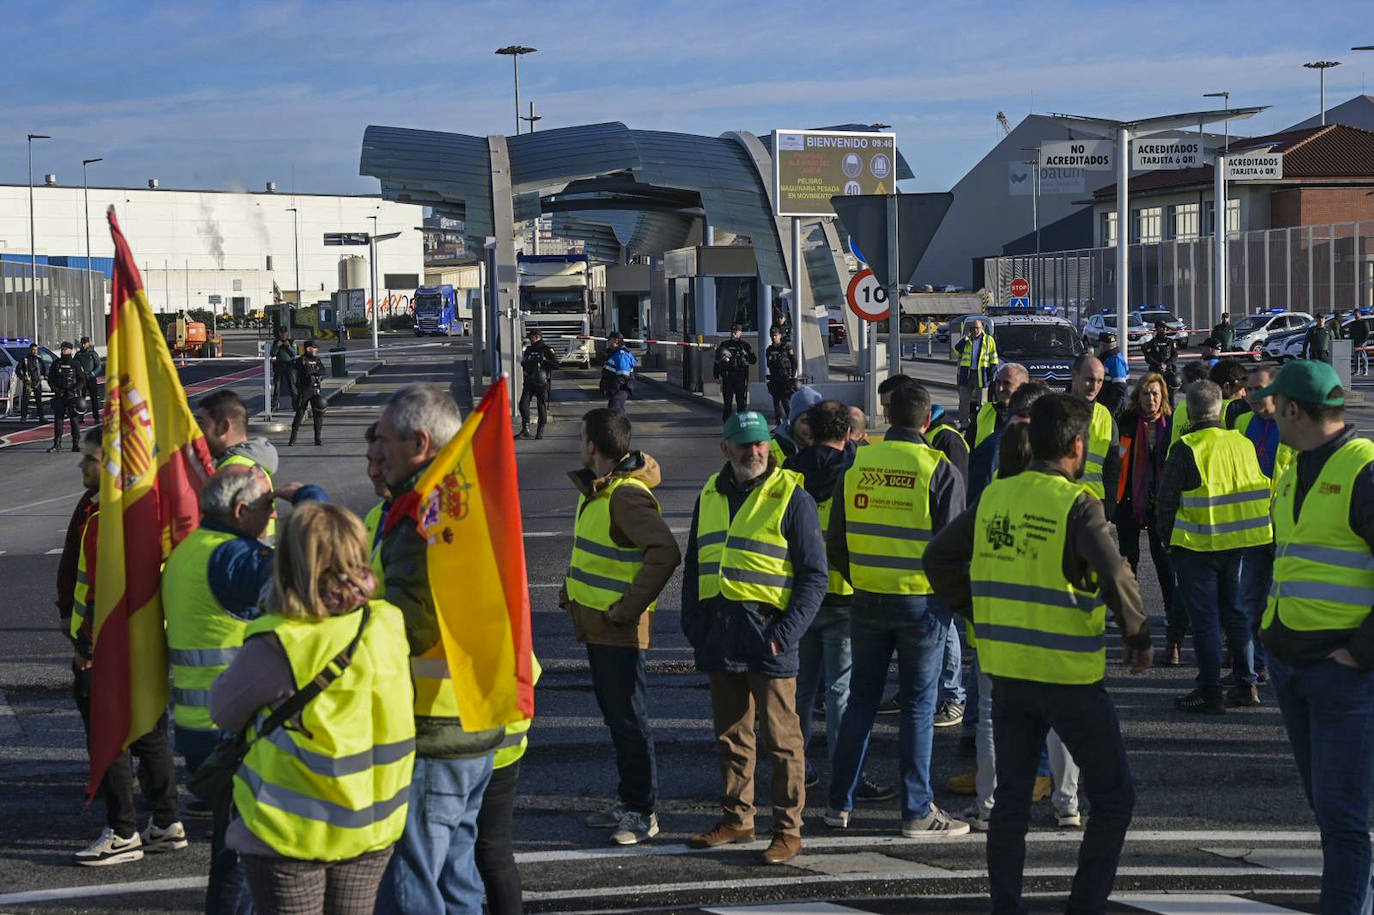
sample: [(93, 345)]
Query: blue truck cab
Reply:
[(436, 312)]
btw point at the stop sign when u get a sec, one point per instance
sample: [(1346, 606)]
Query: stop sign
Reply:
[(1020, 288)]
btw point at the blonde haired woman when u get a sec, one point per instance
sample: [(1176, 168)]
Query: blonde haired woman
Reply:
[(320, 800)]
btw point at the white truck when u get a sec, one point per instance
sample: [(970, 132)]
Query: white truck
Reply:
[(555, 299)]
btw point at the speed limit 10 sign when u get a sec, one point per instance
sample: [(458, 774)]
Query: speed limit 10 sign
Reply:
[(867, 297)]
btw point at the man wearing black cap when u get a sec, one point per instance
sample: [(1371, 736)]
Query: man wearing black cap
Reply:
[(89, 360), (30, 372), (1160, 354), (309, 378), (733, 358), (68, 383), (537, 363), (1317, 625)]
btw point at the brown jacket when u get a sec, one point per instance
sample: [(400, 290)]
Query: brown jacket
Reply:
[(636, 522)]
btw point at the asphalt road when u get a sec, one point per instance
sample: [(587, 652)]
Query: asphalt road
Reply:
[(1219, 809)]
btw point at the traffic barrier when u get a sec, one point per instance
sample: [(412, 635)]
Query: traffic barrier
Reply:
[(682, 343)]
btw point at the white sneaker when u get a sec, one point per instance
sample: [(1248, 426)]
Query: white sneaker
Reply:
[(935, 825), (837, 819), (608, 818), (635, 828), (110, 849), (1068, 820), (164, 838)]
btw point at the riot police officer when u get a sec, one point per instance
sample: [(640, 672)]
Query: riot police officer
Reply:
[(537, 362), (89, 360), (309, 378), (781, 360), (68, 384), (30, 372), (1160, 355), (283, 368), (733, 358)]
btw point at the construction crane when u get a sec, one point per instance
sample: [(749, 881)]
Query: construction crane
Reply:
[(1004, 123)]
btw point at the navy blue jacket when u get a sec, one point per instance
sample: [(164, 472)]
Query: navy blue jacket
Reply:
[(239, 568), (736, 636)]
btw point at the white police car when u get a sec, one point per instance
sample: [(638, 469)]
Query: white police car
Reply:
[(1047, 346), (1253, 331), (12, 349), (1137, 331), (1280, 347)]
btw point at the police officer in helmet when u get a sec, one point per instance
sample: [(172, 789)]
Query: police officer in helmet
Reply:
[(68, 384), (733, 358), (781, 360), (537, 363), (309, 378)]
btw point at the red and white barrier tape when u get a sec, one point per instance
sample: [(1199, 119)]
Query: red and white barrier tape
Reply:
[(682, 343)]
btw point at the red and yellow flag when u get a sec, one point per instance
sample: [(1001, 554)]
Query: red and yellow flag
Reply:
[(469, 509), (156, 461)]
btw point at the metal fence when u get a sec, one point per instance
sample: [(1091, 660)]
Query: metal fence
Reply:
[(1308, 268), (71, 303)]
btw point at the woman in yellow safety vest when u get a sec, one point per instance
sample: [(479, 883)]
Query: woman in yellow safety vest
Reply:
[(321, 800)]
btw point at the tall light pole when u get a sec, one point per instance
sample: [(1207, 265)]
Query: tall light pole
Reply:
[(1219, 207), (86, 214), (296, 249), (33, 255), (513, 51), (1225, 96), (1321, 66)]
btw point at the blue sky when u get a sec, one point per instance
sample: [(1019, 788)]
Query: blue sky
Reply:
[(229, 95)]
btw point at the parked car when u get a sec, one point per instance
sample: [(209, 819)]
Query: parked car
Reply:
[(1137, 332), (1280, 347), (1253, 331), (1047, 346), (1177, 330), (12, 349)]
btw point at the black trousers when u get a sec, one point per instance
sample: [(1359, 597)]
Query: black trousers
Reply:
[(495, 850), (620, 684), (782, 399), (66, 408), (540, 394), (617, 393), (316, 404), (282, 383), (736, 388), (157, 774), (34, 394), (93, 396), (1128, 537), (1085, 719)]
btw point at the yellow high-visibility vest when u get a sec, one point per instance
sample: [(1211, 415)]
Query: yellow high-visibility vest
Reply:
[(1230, 510), (1323, 570), (1099, 441), (836, 584), (985, 424), (336, 785), (887, 516), (202, 636), (269, 536), (745, 558), (600, 570), (1031, 622)]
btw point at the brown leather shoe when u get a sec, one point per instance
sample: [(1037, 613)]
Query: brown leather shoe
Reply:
[(782, 849), (720, 834)]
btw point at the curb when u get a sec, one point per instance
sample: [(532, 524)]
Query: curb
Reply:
[(259, 422)]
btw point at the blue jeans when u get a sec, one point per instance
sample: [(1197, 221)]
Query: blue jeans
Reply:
[(1256, 574), (434, 868), (952, 674), (227, 892), (916, 630), (1209, 587), (620, 683), (1328, 711), (825, 660)]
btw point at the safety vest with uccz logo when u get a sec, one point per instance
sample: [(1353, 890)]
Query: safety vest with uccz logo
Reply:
[(887, 516), (745, 558)]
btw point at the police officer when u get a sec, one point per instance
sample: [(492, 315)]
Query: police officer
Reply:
[(1212, 508), (1099, 473), (1044, 569), (781, 360), (1161, 354), (89, 360), (309, 377), (68, 385), (283, 357), (1113, 394), (618, 372), (537, 363), (1315, 626), (733, 358), (30, 372)]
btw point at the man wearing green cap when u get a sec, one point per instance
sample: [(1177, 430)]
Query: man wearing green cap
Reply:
[(1317, 626), (754, 577)]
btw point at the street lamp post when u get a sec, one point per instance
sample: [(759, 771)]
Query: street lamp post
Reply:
[(33, 254), (1321, 66), (514, 51), (86, 214), (296, 249), (1219, 202)]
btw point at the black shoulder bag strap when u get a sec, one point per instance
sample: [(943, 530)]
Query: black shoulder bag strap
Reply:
[(301, 697)]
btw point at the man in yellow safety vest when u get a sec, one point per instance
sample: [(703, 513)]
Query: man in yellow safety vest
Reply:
[(223, 418), (977, 361), (1213, 511), (1036, 567), (753, 580), (623, 555), (1102, 469), (1317, 624)]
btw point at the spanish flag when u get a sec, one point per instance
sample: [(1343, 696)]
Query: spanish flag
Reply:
[(155, 462), (469, 508)]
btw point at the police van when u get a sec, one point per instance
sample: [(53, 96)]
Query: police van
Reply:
[(13, 349), (1046, 345)]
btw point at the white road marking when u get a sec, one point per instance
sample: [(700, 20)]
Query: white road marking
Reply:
[(1197, 904), (18, 508), (784, 908), (104, 889), (54, 551)]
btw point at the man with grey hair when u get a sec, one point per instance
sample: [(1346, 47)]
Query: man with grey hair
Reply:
[(434, 867), (210, 588), (1213, 511)]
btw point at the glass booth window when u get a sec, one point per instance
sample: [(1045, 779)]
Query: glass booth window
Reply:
[(737, 301)]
